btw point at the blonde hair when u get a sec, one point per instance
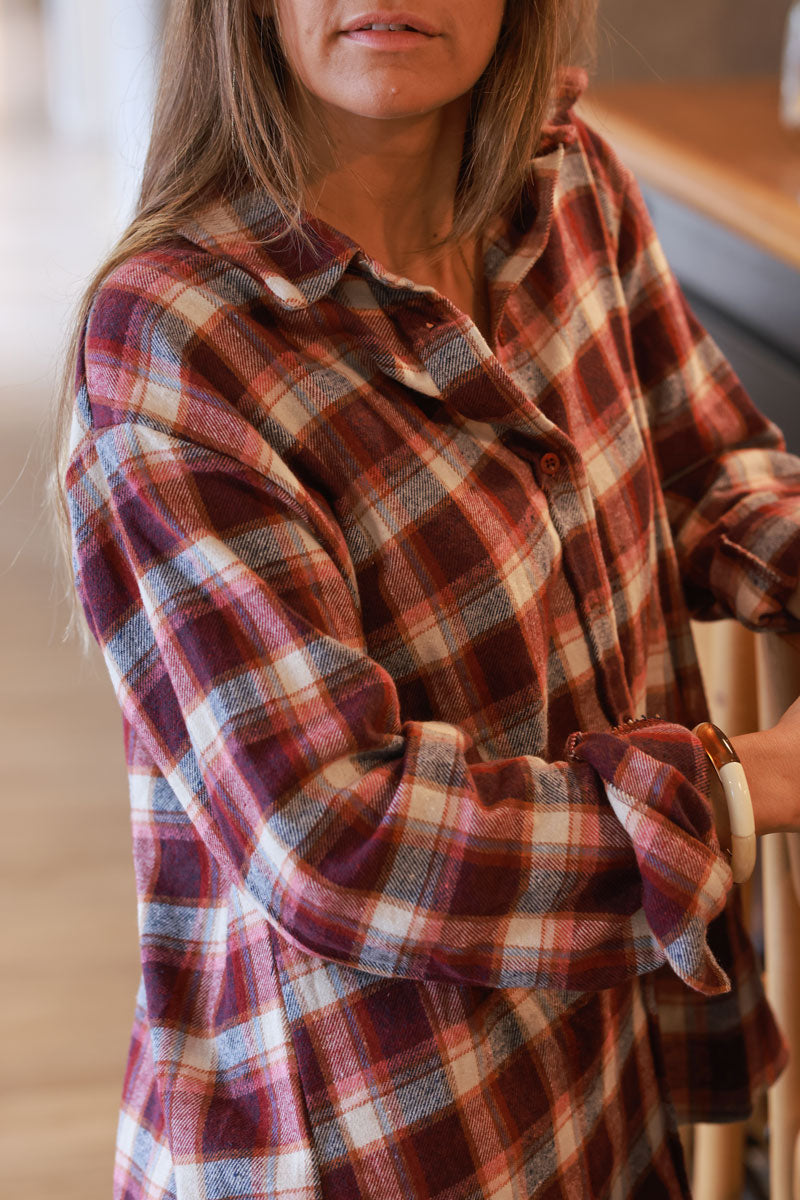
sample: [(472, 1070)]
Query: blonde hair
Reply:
[(222, 123)]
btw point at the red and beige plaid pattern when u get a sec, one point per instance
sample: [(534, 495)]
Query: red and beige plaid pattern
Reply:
[(421, 915)]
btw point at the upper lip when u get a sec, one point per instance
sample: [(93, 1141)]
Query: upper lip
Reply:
[(390, 18)]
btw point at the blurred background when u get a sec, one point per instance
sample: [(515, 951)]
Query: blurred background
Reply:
[(689, 93)]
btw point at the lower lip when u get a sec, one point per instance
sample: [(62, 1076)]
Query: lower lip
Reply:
[(387, 39)]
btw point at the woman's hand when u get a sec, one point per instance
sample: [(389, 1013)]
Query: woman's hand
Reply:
[(771, 761)]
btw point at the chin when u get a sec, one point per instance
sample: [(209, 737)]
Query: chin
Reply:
[(394, 103)]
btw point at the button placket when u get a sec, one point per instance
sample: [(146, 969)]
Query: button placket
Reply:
[(594, 602)]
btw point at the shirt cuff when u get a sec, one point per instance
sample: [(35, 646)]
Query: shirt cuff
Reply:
[(656, 779), (757, 570)]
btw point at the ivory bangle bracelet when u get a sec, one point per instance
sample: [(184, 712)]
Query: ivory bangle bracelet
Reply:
[(726, 763)]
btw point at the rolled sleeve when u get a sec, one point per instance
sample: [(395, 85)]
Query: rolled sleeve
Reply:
[(656, 781), (731, 489)]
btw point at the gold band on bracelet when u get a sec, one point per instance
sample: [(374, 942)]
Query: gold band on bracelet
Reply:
[(716, 744), (726, 763)]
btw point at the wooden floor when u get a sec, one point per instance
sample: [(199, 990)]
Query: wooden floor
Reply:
[(68, 945)]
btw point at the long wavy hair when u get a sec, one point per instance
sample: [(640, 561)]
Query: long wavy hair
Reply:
[(223, 122)]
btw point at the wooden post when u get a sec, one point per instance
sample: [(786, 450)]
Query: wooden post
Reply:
[(794, 866), (782, 953), (778, 686), (718, 1172), (727, 659)]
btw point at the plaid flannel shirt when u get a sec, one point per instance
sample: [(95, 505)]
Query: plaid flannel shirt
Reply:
[(422, 912)]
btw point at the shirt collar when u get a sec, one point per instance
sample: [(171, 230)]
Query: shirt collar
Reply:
[(299, 271)]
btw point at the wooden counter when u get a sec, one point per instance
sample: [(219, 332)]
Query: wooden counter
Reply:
[(717, 147)]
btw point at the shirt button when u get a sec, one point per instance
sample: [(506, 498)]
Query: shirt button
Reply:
[(550, 463)]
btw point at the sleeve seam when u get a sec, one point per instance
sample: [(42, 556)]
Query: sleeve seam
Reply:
[(756, 563)]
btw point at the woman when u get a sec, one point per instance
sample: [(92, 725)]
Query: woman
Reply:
[(397, 466)]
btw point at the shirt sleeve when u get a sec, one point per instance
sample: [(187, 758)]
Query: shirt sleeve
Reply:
[(732, 491), (220, 589)]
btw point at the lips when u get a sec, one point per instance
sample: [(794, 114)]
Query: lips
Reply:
[(408, 22)]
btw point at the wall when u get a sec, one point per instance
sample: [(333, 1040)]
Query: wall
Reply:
[(101, 57), (689, 38)]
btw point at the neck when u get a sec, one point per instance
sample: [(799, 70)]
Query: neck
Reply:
[(390, 184)]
